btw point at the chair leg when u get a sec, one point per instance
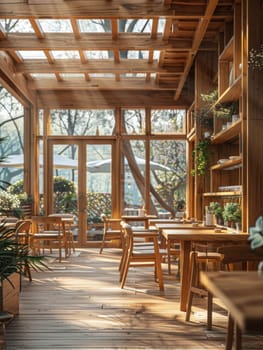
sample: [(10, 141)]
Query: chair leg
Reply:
[(28, 271), (102, 246), (209, 311), (230, 333), (190, 293), (125, 272), (238, 339)]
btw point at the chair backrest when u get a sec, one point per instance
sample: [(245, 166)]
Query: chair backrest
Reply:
[(233, 254), (23, 226), (22, 230), (46, 223), (110, 223), (127, 236)]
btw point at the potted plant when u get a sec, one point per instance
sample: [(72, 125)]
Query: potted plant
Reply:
[(204, 114), (256, 238), (232, 214), (217, 210), (14, 257)]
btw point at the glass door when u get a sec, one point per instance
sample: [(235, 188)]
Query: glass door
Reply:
[(82, 185)]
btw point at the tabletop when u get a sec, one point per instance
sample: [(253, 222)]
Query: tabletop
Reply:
[(134, 218), (203, 234), (181, 225), (242, 294), (186, 237)]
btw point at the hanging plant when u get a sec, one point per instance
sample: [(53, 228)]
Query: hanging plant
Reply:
[(201, 157), (255, 59)]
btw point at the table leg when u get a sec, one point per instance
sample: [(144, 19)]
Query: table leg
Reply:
[(184, 269)]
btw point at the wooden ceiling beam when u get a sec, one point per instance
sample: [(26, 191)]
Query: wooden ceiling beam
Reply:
[(98, 84), (197, 39), (98, 66), (110, 99), (90, 41), (105, 9)]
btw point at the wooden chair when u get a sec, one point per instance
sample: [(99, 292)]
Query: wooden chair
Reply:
[(237, 257), (111, 230), (201, 260), (22, 232), (69, 223), (48, 233), (141, 254)]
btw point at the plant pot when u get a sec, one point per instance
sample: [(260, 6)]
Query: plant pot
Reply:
[(9, 295)]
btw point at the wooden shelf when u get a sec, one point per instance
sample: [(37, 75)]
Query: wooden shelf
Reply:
[(222, 194), (227, 134), (227, 53), (191, 135), (232, 93), (228, 165)]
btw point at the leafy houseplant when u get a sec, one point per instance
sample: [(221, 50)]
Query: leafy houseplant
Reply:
[(14, 258), (256, 238), (204, 115), (201, 156), (216, 209), (232, 213)]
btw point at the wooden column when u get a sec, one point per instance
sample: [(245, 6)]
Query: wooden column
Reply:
[(254, 110), (205, 68)]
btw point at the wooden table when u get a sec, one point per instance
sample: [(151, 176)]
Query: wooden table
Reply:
[(134, 218), (242, 294), (186, 238), (181, 225)]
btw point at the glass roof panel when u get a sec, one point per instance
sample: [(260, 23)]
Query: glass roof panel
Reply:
[(133, 54), (94, 25), (72, 75), (16, 25), (102, 75), (135, 25), (65, 54), (133, 75), (34, 55), (56, 25), (102, 54), (161, 25), (43, 75), (156, 54)]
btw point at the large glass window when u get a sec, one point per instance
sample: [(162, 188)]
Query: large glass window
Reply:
[(12, 132), (133, 121), (82, 122), (167, 121)]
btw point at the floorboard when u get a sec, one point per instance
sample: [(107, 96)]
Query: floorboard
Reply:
[(79, 304)]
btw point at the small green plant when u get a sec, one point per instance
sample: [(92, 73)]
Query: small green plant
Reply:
[(216, 209), (256, 234), (232, 212), (255, 58), (226, 110), (14, 255), (201, 157), (204, 114)]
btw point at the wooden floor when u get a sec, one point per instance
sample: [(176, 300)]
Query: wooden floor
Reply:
[(79, 305)]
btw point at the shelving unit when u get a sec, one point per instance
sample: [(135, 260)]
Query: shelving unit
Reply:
[(238, 83)]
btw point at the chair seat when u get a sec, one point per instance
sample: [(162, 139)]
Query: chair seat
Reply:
[(146, 252), (111, 230)]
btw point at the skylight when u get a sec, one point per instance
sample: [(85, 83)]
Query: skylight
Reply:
[(16, 25), (94, 25), (36, 55), (56, 25)]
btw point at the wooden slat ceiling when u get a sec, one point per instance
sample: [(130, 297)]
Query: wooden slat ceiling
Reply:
[(189, 26)]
